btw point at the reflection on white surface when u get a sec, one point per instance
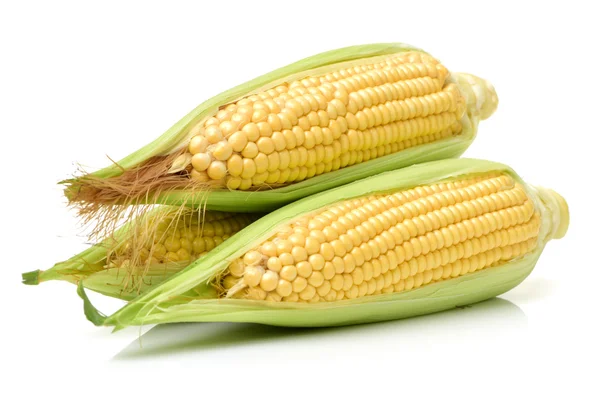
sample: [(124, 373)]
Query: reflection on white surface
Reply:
[(495, 316), (532, 289)]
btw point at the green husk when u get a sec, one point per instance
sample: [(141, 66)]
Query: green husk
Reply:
[(457, 292), (266, 200), (88, 267), (72, 270), (172, 301)]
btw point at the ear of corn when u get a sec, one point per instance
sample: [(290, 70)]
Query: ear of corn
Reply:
[(407, 242), (141, 255), (316, 124)]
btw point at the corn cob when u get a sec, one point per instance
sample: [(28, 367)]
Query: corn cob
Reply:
[(141, 255), (407, 242), (319, 123)]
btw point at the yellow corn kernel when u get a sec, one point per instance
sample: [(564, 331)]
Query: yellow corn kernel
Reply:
[(337, 119), (182, 239), (395, 242)]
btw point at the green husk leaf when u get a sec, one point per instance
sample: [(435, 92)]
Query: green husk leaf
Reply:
[(71, 270), (158, 305), (122, 284), (457, 292), (91, 313)]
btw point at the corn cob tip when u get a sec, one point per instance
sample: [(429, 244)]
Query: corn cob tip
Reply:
[(31, 277), (491, 100), (480, 93), (560, 211)]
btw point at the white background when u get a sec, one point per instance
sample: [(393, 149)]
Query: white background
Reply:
[(82, 81)]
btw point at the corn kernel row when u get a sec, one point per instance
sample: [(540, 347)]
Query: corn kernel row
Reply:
[(323, 123), (389, 243)]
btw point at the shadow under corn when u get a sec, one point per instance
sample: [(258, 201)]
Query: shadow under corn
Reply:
[(170, 339)]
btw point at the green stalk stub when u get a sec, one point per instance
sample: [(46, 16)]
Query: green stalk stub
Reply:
[(31, 278)]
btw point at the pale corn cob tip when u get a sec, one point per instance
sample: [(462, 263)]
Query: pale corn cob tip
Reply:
[(482, 99), (559, 210)]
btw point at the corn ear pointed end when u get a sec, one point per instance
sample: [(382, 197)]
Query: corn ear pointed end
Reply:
[(31, 278), (481, 96), (560, 211), (490, 102)]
